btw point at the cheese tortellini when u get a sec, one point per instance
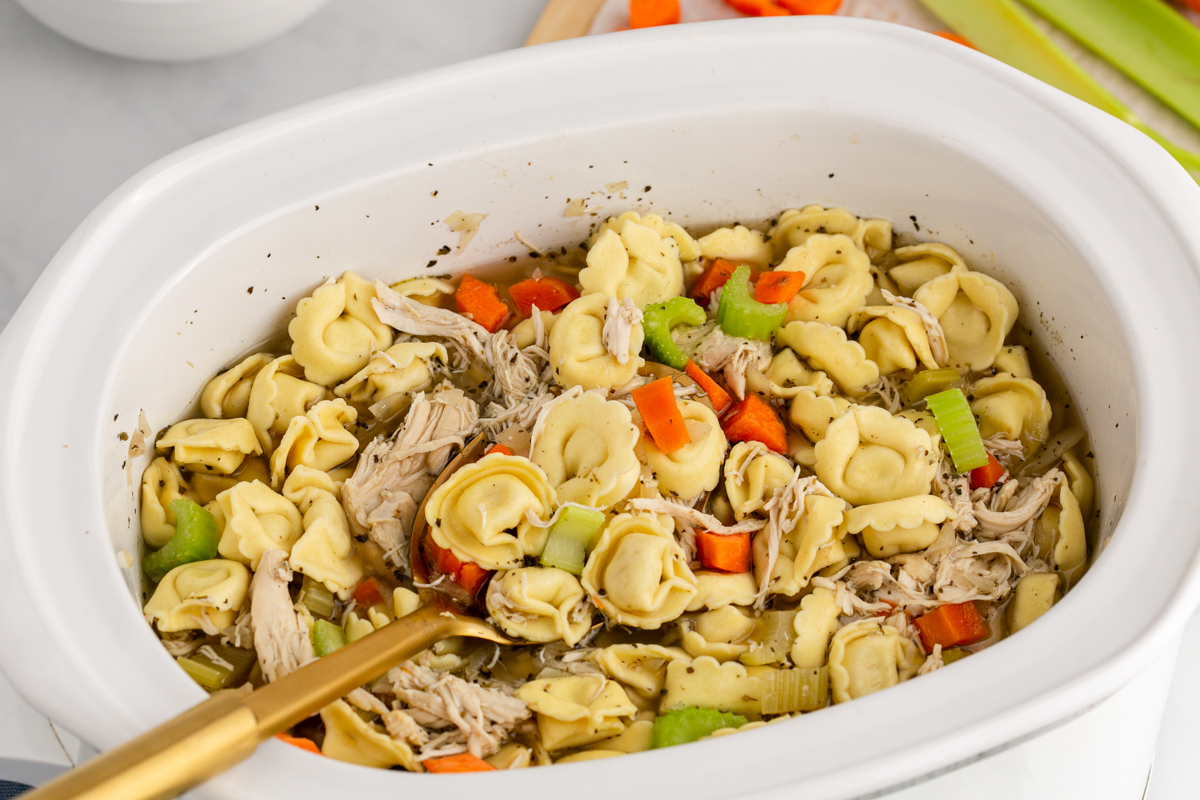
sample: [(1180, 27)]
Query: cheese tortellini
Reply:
[(867, 656), (279, 395), (586, 448), (976, 313), (641, 667), (404, 368), (637, 574), (796, 226), (212, 445), (162, 482), (826, 348), (695, 467), (228, 394), (632, 259), (539, 604), (336, 330), (918, 264), (738, 244), (253, 519), (577, 352), (486, 512), (894, 338), (869, 456), (837, 279), (815, 624), (202, 595), (325, 550), (752, 474), (576, 710), (350, 738), (1015, 408), (320, 439), (813, 543), (723, 634), (899, 526), (787, 377)]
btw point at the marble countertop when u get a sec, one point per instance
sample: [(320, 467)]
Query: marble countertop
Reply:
[(78, 123)]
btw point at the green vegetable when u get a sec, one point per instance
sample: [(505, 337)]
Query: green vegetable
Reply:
[(657, 321), (317, 598), (927, 382), (739, 314), (787, 691), (566, 546), (195, 539), (212, 675), (959, 431), (953, 654), (774, 633), (690, 724), (327, 637), (1005, 31)]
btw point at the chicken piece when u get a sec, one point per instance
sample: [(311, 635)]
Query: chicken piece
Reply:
[(619, 319), (933, 328), (955, 489), (783, 512), (1021, 509), (733, 356), (685, 513), (402, 727), (280, 634), (978, 571), (933, 662), (1005, 450)]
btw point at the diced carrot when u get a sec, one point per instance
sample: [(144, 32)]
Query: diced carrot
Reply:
[(466, 574), (367, 593), (660, 412), (498, 448), (481, 302), (728, 552), (951, 626), (720, 398), (712, 279), (755, 420), (778, 287), (651, 13), (810, 6), (463, 762), (301, 742), (757, 8), (954, 37), (985, 477), (547, 293), (1194, 5), (471, 576)]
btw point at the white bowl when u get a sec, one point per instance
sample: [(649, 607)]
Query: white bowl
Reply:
[(1092, 225), (170, 30)]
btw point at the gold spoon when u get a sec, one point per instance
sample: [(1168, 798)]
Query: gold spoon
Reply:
[(225, 729)]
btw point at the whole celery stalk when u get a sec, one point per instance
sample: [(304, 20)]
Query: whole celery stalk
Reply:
[(1005, 31)]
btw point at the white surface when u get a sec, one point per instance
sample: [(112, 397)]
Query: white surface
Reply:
[(87, 122)]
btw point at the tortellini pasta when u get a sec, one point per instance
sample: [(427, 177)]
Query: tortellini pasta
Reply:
[(336, 330), (869, 456), (708, 683), (812, 413), (162, 482), (1080, 481), (738, 244), (207, 485), (867, 656), (796, 226), (213, 445), (815, 624), (893, 337), (577, 710), (404, 368), (641, 667), (577, 353), (475, 513), (826, 348), (723, 634), (1059, 534), (525, 334), (1014, 360), (325, 550), (689, 250), (319, 439), (695, 467), (637, 574), (633, 260), (279, 394), (539, 604), (719, 589), (426, 291), (837, 279), (752, 474), (813, 543), (918, 264), (227, 395), (350, 738), (787, 377), (1015, 408), (976, 314), (586, 448), (898, 526), (1033, 596), (253, 519), (202, 595)]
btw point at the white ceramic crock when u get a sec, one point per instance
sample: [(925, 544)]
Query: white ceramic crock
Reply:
[(203, 255)]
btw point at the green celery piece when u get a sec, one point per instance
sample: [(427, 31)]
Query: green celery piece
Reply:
[(787, 691), (1146, 39), (657, 321), (195, 539), (927, 382), (213, 676), (960, 433), (690, 724), (566, 545), (952, 655), (1004, 30), (739, 314), (317, 598), (774, 633), (327, 637)]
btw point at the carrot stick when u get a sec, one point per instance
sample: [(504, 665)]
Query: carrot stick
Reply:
[(481, 302), (810, 6), (951, 626), (660, 412), (463, 762), (367, 593), (547, 293), (302, 743), (954, 37), (498, 448), (985, 477), (712, 279), (755, 420), (720, 398), (466, 574), (778, 287), (725, 552), (651, 13)]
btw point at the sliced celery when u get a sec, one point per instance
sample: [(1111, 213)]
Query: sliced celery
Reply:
[(195, 539), (960, 433), (317, 598), (212, 675), (739, 314), (787, 691), (775, 633), (657, 321), (690, 724), (327, 637), (952, 655), (566, 546), (927, 382)]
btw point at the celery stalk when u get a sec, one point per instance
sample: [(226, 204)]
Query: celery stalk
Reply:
[(775, 633), (790, 690), (960, 433), (195, 539), (927, 382), (317, 598), (1145, 39), (1003, 30), (213, 675), (566, 546), (690, 724), (327, 637)]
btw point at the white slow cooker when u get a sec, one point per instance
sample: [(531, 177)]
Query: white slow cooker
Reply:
[(202, 256)]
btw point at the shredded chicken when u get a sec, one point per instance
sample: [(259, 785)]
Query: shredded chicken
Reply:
[(1006, 450), (280, 634), (471, 718), (849, 602), (619, 320), (403, 728), (977, 571), (732, 356), (933, 328), (888, 392), (783, 513), (933, 663), (180, 645), (411, 317), (1027, 505), (687, 338), (682, 511), (363, 699), (955, 489)]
